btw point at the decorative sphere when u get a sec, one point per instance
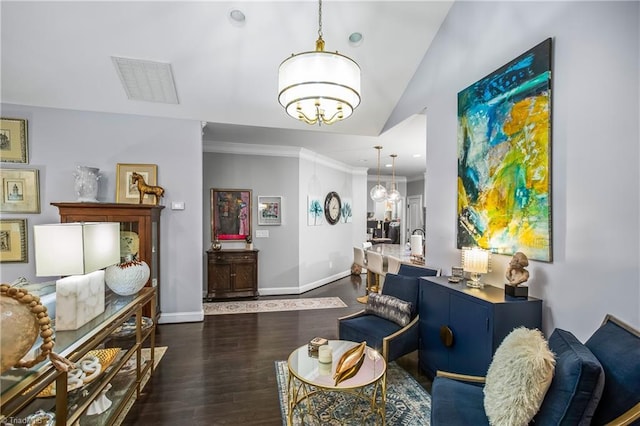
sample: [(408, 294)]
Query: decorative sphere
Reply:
[(127, 278), (18, 331)]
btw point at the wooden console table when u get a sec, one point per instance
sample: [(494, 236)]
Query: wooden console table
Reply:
[(232, 273)]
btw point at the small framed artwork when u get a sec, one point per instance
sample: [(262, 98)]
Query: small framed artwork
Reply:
[(13, 241), (269, 210), (346, 211), (13, 140), (315, 211), (230, 214), (127, 190), (20, 191)]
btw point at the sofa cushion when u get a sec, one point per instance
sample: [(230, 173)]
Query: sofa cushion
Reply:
[(403, 288), (518, 378), (390, 308), (456, 403), (617, 347), (577, 384), (370, 328)]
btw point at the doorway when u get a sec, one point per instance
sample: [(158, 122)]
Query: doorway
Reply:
[(415, 217)]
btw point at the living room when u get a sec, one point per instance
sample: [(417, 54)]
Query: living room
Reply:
[(595, 176)]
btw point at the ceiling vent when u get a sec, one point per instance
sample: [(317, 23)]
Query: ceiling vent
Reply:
[(146, 80)]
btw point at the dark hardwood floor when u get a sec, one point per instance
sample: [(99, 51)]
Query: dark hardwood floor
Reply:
[(221, 371)]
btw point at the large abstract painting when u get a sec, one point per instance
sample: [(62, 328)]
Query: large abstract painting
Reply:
[(504, 158)]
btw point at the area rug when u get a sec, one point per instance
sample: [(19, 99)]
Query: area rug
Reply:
[(408, 404), (274, 305)]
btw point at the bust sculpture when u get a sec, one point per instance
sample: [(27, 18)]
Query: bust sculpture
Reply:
[(516, 274)]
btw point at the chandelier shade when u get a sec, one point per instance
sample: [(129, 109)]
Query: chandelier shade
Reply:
[(319, 87)]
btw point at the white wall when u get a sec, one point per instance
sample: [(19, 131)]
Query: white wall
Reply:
[(595, 178), (60, 140), (296, 257)]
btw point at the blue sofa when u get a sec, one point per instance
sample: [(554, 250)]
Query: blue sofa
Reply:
[(594, 383)]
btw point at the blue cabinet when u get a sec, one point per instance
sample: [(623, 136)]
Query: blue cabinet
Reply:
[(461, 327)]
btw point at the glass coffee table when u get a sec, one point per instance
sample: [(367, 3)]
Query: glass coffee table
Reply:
[(315, 399)]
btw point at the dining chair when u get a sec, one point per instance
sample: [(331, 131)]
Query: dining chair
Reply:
[(393, 264)]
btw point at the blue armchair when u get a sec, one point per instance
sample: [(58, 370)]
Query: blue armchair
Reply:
[(594, 383), (383, 334)]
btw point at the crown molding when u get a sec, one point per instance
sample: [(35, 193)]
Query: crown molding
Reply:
[(280, 151)]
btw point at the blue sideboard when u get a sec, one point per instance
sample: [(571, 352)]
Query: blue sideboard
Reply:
[(461, 327)]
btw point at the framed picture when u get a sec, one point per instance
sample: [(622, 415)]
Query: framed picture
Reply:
[(315, 211), (230, 214), (13, 140), (13, 241), (269, 210), (504, 158), (20, 191), (126, 190), (346, 211)]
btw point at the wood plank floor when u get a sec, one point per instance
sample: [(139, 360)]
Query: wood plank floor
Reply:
[(221, 371)]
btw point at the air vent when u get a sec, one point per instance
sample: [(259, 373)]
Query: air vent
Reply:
[(146, 80)]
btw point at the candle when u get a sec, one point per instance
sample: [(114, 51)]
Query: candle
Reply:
[(416, 245), (325, 354)]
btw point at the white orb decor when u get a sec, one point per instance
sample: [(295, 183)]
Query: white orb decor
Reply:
[(127, 278)]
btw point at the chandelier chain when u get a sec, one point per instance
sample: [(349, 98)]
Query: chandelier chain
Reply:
[(320, 18)]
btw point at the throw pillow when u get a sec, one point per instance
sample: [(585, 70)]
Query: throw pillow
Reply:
[(518, 378), (389, 307)]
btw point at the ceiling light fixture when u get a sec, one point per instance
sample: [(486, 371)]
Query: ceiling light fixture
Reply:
[(394, 195), (378, 193), (319, 87)]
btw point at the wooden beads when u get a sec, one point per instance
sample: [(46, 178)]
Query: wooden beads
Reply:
[(40, 312)]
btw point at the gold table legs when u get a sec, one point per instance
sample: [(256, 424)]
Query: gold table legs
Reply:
[(373, 286)]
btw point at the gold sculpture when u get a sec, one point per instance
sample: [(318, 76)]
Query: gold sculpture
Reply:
[(350, 363), (143, 188)]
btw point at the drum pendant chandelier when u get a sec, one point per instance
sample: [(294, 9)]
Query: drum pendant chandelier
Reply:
[(319, 87)]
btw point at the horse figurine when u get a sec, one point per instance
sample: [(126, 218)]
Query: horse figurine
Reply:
[(143, 188)]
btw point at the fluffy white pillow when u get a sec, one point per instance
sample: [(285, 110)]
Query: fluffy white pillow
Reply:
[(518, 378)]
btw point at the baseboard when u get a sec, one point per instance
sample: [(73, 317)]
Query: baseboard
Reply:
[(281, 291), (179, 317)]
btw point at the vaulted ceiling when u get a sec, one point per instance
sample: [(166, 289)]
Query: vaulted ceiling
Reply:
[(59, 54)]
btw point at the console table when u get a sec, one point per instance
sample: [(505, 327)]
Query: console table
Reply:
[(232, 273), (21, 388), (461, 327)]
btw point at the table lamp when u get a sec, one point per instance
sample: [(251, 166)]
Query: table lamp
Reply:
[(476, 262), (77, 251)]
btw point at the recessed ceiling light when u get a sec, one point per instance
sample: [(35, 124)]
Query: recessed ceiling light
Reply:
[(388, 165), (417, 155), (237, 17), (355, 39)]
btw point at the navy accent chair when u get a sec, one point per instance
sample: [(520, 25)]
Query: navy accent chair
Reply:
[(387, 337), (418, 271), (594, 383)]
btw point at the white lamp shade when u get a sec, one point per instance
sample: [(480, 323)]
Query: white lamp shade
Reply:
[(475, 260), (330, 80), (75, 248)]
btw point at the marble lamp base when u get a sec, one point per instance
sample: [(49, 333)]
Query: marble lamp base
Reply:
[(79, 299)]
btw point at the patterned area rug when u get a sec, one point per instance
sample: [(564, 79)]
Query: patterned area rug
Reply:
[(275, 305), (408, 404)]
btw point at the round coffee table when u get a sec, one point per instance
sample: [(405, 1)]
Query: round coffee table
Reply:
[(311, 382)]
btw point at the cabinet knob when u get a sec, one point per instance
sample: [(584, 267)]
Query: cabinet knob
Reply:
[(446, 336)]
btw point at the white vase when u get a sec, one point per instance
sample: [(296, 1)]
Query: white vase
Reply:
[(86, 184), (127, 278)]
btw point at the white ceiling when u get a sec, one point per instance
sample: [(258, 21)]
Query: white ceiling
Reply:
[(58, 54)]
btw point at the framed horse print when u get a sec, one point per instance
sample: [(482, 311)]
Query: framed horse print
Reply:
[(127, 190)]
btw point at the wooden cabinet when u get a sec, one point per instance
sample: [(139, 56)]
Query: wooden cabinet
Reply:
[(139, 231), (24, 391), (461, 327), (232, 273)]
